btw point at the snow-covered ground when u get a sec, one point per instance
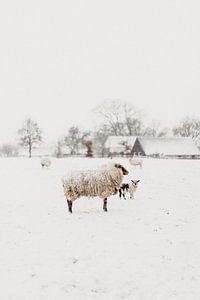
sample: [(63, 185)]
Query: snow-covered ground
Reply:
[(147, 248)]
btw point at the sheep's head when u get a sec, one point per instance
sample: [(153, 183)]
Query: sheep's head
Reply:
[(124, 171), (135, 183)]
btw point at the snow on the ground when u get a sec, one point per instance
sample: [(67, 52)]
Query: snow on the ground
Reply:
[(147, 248)]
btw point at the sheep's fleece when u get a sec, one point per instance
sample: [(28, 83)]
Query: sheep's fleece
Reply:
[(103, 183), (45, 161)]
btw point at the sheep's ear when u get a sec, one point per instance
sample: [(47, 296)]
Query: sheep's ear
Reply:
[(119, 166), (138, 180)]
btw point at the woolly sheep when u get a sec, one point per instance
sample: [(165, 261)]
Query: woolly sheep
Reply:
[(130, 188), (45, 162), (102, 183), (136, 162)]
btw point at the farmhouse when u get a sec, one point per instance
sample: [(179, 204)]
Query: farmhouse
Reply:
[(119, 145), (165, 147)]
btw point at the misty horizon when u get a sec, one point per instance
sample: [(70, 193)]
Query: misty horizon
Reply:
[(60, 61)]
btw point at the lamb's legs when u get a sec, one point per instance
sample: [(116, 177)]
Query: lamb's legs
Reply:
[(69, 205), (105, 204)]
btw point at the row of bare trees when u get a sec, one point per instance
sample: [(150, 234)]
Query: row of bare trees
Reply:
[(116, 118), (8, 150)]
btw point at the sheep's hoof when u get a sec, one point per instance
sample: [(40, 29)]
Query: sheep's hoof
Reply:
[(105, 204), (69, 206)]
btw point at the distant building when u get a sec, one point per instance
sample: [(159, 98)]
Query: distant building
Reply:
[(119, 145), (165, 147), (179, 147)]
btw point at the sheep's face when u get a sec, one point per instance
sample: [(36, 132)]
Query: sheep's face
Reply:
[(135, 183), (124, 171)]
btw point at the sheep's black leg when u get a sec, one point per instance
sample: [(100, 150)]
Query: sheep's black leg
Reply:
[(120, 193), (69, 205), (105, 204), (124, 196)]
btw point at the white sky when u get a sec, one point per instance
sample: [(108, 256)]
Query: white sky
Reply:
[(59, 59)]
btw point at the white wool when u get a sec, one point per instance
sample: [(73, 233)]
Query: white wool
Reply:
[(133, 185), (132, 189), (77, 176), (45, 161), (102, 182), (136, 162)]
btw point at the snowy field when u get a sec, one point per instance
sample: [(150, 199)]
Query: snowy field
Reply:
[(147, 248)]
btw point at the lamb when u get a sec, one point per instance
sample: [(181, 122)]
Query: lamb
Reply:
[(136, 162), (130, 188), (101, 183), (45, 162)]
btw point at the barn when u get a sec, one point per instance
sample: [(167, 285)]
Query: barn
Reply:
[(165, 147), (119, 145)]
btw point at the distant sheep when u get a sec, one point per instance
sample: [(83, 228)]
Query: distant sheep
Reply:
[(130, 188), (45, 162), (103, 182), (136, 162)]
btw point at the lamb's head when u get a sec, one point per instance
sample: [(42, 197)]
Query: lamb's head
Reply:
[(135, 183), (124, 171)]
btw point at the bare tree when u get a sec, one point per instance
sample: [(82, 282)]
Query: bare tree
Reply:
[(30, 134), (74, 139), (100, 136), (120, 117), (155, 129), (127, 148), (188, 127), (8, 150), (58, 150), (133, 119), (88, 145)]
